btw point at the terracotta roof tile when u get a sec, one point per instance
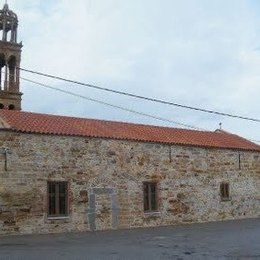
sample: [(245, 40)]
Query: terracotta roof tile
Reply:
[(61, 125)]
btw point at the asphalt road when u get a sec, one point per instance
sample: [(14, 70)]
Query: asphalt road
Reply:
[(221, 240)]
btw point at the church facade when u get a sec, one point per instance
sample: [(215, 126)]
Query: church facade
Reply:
[(64, 174)]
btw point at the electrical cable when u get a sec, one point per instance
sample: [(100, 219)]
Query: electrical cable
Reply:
[(143, 97), (114, 106)]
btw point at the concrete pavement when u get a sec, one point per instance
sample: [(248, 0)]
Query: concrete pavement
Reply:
[(220, 240)]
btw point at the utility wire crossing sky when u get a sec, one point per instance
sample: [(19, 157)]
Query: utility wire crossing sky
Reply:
[(142, 97)]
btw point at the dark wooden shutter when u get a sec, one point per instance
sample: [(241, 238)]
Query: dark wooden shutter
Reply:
[(150, 196), (224, 190), (58, 198)]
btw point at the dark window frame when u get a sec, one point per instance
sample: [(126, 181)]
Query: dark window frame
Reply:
[(150, 197), (225, 191), (57, 199)]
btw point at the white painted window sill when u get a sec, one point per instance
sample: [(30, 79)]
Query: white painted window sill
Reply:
[(225, 199), (58, 218), (154, 214)]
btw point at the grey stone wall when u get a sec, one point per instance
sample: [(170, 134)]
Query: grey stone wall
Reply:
[(106, 183)]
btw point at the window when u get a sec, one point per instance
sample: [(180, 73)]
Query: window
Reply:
[(57, 199), (150, 197), (224, 191)]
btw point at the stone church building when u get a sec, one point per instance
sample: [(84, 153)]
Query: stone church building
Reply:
[(62, 174)]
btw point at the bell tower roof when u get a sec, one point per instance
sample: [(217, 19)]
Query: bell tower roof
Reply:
[(8, 23), (7, 13)]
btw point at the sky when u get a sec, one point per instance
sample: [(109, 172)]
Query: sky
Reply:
[(195, 52)]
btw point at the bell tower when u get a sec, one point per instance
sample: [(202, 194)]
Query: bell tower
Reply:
[(10, 58)]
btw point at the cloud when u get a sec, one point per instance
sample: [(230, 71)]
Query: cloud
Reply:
[(201, 53)]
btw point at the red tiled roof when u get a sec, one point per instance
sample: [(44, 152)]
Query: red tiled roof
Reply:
[(60, 125)]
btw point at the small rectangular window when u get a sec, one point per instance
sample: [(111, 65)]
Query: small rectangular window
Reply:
[(224, 191), (150, 197), (57, 199)]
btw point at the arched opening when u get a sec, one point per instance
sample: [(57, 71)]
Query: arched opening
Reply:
[(2, 64), (2, 106), (11, 65), (15, 35), (11, 107), (4, 34), (8, 36), (1, 34)]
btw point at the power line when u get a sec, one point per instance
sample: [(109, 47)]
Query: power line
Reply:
[(114, 106), (143, 97), (119, 107)]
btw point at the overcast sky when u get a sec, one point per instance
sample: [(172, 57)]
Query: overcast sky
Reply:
[(195, 52)]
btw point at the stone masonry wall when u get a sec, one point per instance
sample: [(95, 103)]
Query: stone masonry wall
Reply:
[(106, 183)]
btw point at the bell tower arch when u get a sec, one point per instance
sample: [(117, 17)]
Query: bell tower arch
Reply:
[(10, 59)]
